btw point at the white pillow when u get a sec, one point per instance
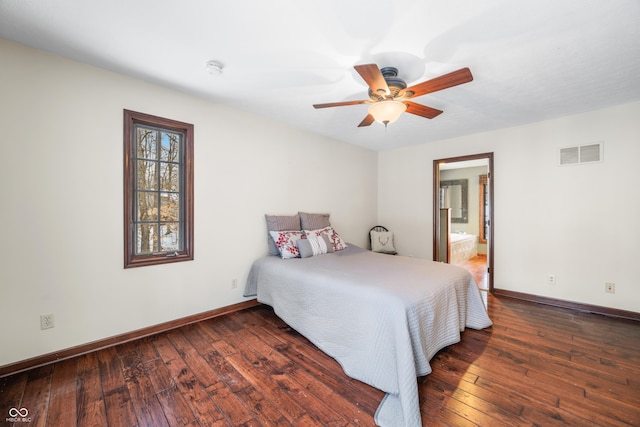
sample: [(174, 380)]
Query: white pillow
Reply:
[(382, 241)]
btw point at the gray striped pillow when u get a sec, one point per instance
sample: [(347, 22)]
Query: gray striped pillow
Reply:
[(314, 221), (311, 247), (280, 223)]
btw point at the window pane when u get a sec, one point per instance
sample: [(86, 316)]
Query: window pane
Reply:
[(169, 177), (147, 175), (147, 206), (170, 207), (170, 146), (147, 240), (146, 146), (170, 237)]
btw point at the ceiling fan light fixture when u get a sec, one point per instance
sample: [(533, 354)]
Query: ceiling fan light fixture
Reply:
[(386, 112)]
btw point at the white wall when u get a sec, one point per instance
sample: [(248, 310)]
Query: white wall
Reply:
[(577, 222), (61, 215)]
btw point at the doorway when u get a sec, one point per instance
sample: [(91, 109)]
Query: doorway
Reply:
[(463, 214)]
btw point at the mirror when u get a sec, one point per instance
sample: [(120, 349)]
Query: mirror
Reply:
[(453, 195)]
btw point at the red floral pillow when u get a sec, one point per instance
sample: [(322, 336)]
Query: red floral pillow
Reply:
[(286, 242), (336, 241)]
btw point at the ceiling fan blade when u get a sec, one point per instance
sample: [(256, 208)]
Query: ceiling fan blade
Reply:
[(454, 78), (374, 78), (367, 121), (421, 110), (339, 104)]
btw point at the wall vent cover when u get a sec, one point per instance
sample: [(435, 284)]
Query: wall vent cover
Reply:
[(590, 153)]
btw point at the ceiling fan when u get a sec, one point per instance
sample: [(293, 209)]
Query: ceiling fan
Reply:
[(389, 94)]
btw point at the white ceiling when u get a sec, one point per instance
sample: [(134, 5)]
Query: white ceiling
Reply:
[(531, 60)]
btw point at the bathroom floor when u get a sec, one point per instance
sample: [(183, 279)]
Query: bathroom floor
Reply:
[(478, 267)]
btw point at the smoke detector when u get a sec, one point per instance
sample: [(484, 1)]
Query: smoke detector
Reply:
[(214, 67)]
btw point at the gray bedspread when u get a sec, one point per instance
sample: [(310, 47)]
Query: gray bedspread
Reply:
[(381, 317)]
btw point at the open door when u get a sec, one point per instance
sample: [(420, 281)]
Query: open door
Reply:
[(463, 186)]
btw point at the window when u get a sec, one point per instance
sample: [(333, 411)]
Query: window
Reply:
[(158, 190)]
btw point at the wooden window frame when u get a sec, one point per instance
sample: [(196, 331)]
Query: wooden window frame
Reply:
[(131, 119)]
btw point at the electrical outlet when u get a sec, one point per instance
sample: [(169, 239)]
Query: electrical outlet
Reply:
[(234, 283), (46, 321), (610, 288), (551, 279)]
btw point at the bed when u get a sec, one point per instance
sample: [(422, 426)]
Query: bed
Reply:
[(381, 317)]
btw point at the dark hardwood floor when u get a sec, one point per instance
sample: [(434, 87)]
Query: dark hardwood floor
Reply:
[(537, 366)]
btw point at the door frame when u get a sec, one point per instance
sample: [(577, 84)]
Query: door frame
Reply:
[(436, 206)]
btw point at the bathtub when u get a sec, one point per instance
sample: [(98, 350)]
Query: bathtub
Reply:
[(463, 247)]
